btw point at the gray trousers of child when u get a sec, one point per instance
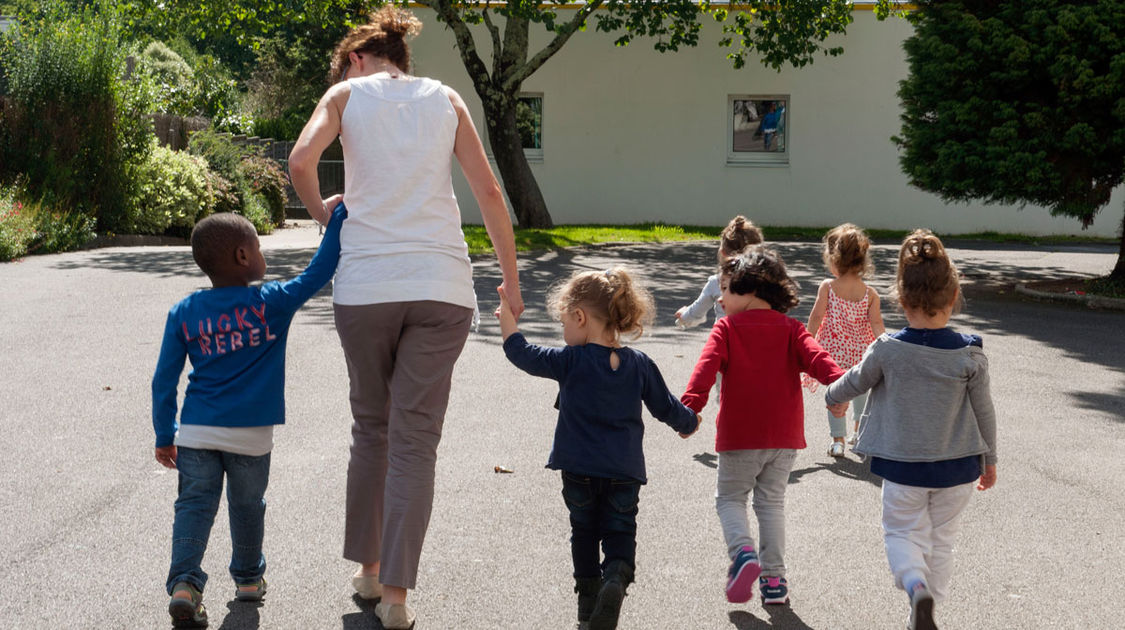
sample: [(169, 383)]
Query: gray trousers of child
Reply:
[(765, 473), (400, 362)]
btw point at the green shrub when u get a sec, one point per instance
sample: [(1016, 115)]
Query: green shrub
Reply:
[(31, 228), (73, 129), (268, 180), (61, 231), (258, 183), (173, 192), (195, 85), (17, 226), (255, 209)]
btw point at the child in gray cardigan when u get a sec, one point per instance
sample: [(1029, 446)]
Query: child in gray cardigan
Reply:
[(929, 426)]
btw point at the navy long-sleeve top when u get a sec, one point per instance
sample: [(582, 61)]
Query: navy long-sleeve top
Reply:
[(235, 338), (600, 431)]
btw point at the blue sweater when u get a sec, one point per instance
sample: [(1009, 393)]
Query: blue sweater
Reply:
[(235, 338), (600, 431)]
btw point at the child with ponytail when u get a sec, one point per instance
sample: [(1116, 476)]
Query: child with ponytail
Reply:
[(739, 234), (598, 438), (929, 427), (845, 318)]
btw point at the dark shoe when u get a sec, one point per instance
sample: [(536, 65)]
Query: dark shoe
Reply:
[(607, 607), (775, 590), (187, 612), (587, 589), (243, 594), (921, 608)]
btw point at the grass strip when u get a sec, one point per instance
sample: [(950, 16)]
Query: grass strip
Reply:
[(590, 234)]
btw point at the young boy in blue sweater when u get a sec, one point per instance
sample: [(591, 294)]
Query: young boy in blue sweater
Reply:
[(234, 334)]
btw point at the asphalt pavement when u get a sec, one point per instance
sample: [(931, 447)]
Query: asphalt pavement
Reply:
[(86, 512)]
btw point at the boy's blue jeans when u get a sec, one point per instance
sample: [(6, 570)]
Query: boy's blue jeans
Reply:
[(601, 510), (201, 486)]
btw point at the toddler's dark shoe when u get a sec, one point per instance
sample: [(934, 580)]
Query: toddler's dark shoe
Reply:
[(255, 594), (187, 612), (921, 608), (587, 589), (775, 590), (607, 607)]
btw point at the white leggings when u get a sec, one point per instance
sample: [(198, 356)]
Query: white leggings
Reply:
[(920, 526)]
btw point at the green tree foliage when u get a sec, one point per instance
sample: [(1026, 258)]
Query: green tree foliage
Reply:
[(73, 130), (301, 34), (1017, 102)]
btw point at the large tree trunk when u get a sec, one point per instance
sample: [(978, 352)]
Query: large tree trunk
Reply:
[(519, 182)]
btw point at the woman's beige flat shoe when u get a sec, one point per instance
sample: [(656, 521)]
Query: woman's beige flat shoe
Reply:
[(394, 616), (367, 586)]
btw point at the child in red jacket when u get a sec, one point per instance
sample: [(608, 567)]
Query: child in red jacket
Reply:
[(761, 353)]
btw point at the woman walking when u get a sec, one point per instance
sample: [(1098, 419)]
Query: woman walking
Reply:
[(403, 296)]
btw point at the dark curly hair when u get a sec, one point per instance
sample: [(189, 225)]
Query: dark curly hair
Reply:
[(761, 271)]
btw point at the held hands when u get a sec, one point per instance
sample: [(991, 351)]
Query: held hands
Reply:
[(506, 313), (166, 455), (988, 479), (330, 205), (838, 409), (513, 297), (698, 421)]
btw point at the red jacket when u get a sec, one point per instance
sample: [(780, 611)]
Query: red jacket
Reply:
[(761, 354)]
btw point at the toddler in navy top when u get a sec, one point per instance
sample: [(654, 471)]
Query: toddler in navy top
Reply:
[(597, 445), (234, 334)]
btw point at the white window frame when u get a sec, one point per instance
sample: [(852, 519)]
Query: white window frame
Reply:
[(533, 156), (758, 158)]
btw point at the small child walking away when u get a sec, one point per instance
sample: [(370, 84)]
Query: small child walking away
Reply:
[(845, 318), (739, 234), (761, 423), (930, 428), (598, 438), (234, 334)]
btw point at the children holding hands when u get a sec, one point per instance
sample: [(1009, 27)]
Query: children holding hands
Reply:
[(930, 426), (234, 334), (598, 438), (761, 353)]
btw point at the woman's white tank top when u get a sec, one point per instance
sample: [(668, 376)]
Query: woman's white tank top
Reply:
[(402, 240)]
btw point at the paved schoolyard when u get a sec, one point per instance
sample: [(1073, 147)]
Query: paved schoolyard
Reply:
[(85, 512)]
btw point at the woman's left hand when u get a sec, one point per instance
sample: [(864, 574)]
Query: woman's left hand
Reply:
[(514, 298)]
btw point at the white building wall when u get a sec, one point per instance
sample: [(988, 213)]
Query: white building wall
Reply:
[(631, 135)]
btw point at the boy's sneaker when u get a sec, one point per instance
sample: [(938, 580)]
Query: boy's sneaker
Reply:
[(255, 594), (775, 590), (921, 608), (187, 612), (852, 439), (743, 572), (836, 449)]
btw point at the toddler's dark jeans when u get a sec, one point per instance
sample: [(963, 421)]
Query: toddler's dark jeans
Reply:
[(601, 511)]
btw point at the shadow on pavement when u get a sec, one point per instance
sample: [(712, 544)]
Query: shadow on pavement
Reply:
[(676, 272), (781, 617), (845, 467), (363, 620), (241, 616)]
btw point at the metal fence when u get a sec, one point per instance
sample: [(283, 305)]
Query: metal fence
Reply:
[(330, 172)]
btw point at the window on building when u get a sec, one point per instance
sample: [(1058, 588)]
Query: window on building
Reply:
[(529, 120), (529, 123), (758, 130)]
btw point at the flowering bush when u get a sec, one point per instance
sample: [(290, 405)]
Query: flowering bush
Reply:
[(17, 228), (30, 228)]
